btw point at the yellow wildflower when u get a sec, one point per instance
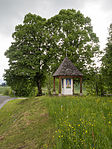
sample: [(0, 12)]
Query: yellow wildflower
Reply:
[(109, 122)]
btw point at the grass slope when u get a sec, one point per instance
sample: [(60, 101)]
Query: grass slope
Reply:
[(57, 123), (24, 123)]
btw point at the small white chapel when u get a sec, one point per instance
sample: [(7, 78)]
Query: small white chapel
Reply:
[(66, 72)]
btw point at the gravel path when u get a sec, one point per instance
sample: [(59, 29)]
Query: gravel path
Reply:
[(4, 100)]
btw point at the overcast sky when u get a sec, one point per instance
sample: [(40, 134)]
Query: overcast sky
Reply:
[(12, 13)]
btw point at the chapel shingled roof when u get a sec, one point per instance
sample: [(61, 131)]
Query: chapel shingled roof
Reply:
[(67, 68)]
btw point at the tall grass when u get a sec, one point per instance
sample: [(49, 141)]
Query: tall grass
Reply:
[(81, 122)]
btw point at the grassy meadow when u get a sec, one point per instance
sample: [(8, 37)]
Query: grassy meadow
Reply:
[(57, 123), (82, 122)]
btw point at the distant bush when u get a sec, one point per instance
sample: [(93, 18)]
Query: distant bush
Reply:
[(3, 84), (6, 91), (10, 92)]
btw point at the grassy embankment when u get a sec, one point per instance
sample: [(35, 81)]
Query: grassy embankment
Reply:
[(57, 123), (24, 123)]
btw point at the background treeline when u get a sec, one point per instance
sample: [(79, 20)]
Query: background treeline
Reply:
[(39, 46)]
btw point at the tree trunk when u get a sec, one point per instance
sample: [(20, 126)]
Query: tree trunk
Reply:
[(96, 89), (39, 88), (102, 91)]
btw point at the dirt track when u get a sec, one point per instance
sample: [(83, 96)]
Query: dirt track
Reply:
[(4, 100)]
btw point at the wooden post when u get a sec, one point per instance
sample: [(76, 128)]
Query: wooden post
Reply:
[(59, 86), (80, 85), (54, 86), (73, 86)]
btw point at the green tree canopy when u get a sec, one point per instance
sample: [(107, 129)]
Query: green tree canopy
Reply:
[(40, 45), (26, 54), (107, 62), (71, 33)]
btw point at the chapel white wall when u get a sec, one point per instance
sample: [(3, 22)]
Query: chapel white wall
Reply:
[(67, 91)]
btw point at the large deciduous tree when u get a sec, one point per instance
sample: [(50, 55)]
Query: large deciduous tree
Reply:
[(71, 34), (107, 63), (26, 54)]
